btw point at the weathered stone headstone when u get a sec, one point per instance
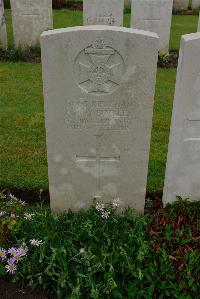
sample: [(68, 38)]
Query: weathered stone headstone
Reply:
[(198, 28), (155, 16), (183, 163), (98, 89), (103, 12), (180, 5), (30, 18), (3, 31), (195, 4)]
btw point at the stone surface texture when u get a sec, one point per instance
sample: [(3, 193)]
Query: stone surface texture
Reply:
[(155, 16), (30, 18), (183, 163), (3, 31), (195, 4), (181, 4), (98, 90), (103, 12)]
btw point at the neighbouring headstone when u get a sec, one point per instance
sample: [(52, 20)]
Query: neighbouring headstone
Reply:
[(98, 89), (3, 31), (195, 4), (198, 28), (30, 18), (103, 12), (155, 16), (183, 163), (180, 5)]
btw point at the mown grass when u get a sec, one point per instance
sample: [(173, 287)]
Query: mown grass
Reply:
[(23, 157), (161, 126), (67, 18), (23, 150)]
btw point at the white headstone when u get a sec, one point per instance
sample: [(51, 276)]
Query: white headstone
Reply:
[(103, 12), (183, 163), (3, 31), (181, 4), (98, 89), (195, 4), (155, 16), (30, 18)]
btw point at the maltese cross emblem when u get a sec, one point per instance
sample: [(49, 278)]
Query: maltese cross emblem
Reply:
[(99, 69)]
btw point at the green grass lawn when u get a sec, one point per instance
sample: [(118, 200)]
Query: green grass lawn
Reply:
[(67, 18), (23, 150)]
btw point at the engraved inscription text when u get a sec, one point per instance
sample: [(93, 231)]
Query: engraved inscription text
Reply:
[(99, 114)]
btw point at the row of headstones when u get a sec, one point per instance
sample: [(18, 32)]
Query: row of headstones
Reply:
[(148, 15), (31, 18), (178, 4), (99, 88)]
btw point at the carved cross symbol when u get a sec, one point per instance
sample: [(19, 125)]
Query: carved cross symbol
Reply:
[(192, 120), (196, 119), (98, 159), (151, 22), (153, 19)]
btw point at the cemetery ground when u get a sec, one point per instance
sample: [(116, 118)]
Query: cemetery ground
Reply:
[(97, 253)]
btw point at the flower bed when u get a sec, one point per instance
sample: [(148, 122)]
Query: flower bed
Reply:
[(100, 253)]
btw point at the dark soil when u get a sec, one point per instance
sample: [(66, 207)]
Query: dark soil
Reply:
[(31, 197), (168, 61), (74, 5), (28, 195), (29, 55), (13, 55), (9, 290), (186, 12)]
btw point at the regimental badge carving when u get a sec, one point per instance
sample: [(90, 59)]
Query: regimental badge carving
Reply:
[(99, 69)]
